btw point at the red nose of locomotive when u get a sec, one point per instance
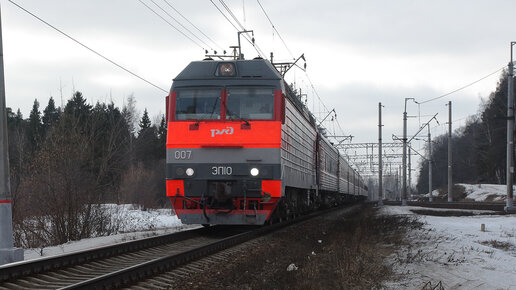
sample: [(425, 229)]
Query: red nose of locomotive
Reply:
[(231, 177)]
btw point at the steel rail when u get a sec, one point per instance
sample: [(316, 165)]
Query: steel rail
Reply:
[(137, 273), (31, 267)]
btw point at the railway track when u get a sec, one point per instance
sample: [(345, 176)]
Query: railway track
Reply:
[(87, 267), (135, 262)]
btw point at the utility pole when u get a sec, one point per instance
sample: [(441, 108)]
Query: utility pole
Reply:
[(450, 182), (509, 205), (8, 253), (400, 181), (380, 165), (430, 199), (409, 174), (404, 173)]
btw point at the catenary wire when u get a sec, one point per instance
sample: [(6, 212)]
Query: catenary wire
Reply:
[(231, 14), (224, 15), (274, 27), (256, 47), (87, 47), (321, 102), (185, 18), (180, 24), (292, 55), (170, 24), (461, 88)]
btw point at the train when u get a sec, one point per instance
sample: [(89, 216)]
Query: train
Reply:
[(243, 149)]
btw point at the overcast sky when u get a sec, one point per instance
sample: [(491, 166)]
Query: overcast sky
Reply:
[(358, 53)]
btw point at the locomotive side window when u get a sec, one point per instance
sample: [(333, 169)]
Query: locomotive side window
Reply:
[(195, 104), (250, 103)]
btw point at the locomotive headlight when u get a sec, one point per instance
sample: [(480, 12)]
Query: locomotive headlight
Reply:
[(190, 172), (255, 171)]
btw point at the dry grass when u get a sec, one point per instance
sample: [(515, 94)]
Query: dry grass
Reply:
[(506, 246), (335, 252)]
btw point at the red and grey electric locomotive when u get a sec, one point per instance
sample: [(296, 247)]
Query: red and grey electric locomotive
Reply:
[(243, 149)]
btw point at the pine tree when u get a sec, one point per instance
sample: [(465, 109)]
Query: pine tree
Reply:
[(50, 115), (145, 122), (78, 108), (19, 116), (35, 127), (162, 138), (146, 141)]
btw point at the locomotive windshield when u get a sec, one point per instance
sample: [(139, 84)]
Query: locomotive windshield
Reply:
[(250, 103), (195, 104)]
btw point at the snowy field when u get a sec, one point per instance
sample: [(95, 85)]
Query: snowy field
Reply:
[(137, 224), (454, 251), (479, 192), (485, 192)]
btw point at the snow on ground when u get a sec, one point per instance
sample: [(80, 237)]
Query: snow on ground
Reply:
[(485, 192), (456, 252), (479, 192), (136, 224)]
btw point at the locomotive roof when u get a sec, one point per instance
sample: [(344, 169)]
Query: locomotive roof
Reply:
[(245, 69)]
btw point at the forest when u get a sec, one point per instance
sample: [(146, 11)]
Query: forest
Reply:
[(67, 162), (478, 148)]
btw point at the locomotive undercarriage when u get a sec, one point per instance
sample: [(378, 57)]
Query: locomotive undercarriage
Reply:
[(295, 202), (239, 201), (299, 201)]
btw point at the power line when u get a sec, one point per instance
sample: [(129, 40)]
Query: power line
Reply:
[(216, 44), (231, 14), (461, 88), (256, 47), (224, 15), (173, 18), (170, 24), (316, 93), (322, 103), (88, 48), (274, 27)]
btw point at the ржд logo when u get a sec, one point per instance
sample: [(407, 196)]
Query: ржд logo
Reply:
[(228, 130)]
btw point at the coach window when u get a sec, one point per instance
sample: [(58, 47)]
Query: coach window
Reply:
[(196, 104), (250, 103)]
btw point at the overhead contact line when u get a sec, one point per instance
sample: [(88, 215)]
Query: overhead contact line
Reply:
[(87, 47)]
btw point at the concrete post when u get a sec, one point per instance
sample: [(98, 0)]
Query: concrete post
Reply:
[(380, 164), (450, 181), (404, 169), (8, 254), (509, 205), (409, 190), (430, 199)]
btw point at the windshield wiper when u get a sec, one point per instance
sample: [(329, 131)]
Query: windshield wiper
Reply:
[(214, 106), (238, 118)]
